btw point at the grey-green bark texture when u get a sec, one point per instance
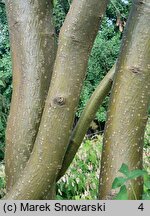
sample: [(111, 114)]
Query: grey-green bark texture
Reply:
[(128, 109), (75, 42), (33, 52), (86, 118)]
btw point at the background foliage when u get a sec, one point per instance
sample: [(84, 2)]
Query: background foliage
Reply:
[(5, 76)]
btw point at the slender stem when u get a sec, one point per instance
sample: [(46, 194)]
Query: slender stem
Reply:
[(133, 191), (86, 118)]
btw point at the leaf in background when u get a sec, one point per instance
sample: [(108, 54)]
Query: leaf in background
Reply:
[(146, 196), (147, 184), (124, 169), (118, 182), (1, 183), (122, 195), (2, 84), (136, 173)]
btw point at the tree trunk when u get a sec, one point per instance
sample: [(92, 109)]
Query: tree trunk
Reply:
[(127, 113), (75, 42), (33, 52)]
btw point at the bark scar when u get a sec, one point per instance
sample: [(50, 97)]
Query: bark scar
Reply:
[(141, 2), (135, 70)]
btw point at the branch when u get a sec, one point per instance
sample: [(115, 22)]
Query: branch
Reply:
[(85, 120)]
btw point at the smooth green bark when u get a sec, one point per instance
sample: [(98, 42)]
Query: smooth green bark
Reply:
[(128, 109), (33, 52), (75, 42), (86, 118)]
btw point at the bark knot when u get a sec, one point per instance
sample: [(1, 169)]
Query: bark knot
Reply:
[(60, 101), (135, 70), (141, 2)]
